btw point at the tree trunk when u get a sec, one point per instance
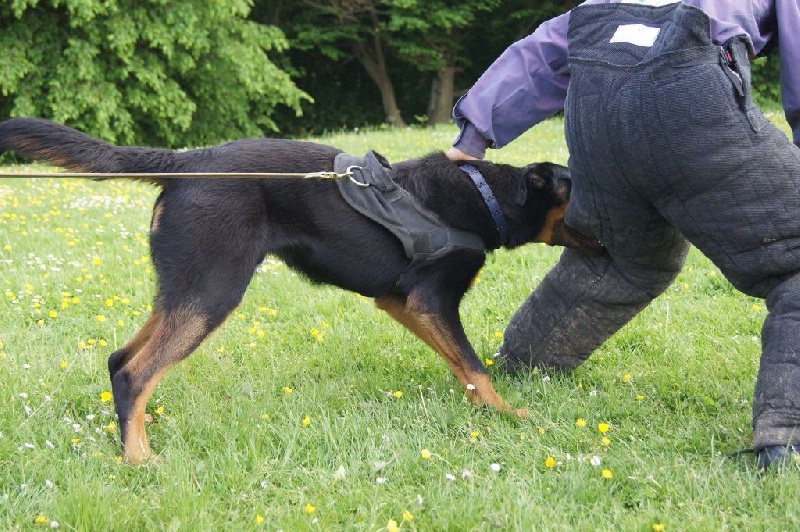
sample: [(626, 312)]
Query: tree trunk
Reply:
[(373, 60), (442, 96)]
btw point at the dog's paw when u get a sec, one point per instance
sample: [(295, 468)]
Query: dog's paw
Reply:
[(521, 413)]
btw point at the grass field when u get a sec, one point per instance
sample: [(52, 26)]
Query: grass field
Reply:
[(311, 410)]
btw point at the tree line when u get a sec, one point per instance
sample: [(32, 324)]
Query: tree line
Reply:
[(195, 72)]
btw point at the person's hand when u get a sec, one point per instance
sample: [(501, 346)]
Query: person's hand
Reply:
[(454, 154)]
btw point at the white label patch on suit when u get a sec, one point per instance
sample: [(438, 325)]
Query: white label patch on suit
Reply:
[(637, 34), (656, 3)]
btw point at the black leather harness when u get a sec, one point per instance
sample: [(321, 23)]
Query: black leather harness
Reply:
[(372, 192)]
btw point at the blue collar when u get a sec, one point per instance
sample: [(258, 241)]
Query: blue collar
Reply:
[(490, 201)]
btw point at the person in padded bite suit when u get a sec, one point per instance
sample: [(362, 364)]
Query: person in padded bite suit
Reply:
[(666, 148)]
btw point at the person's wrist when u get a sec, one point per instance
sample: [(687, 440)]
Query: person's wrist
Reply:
[(471, 142)]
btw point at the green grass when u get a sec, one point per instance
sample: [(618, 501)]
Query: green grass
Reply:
[(674, 386)]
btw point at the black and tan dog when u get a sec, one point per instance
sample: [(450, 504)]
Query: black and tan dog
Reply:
[(207, 237)]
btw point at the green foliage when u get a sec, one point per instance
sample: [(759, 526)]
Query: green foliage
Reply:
[(171, 73), (766, 82)]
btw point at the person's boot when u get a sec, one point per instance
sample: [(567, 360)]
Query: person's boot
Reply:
[(778, 456)]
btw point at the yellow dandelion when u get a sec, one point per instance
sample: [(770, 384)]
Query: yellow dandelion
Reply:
[(640, 397), (101, 318), (498, 335), (607, 474), (488, 361), (398, 394), (63, 364), (1, 345), (627, 377), (160, 410), (391, 526), (96, 261), (41, 520), (542, 431), (53, 314), (105, 396), (580, 422), (306, 421), (265, 416), (606, 441), (550, 462), (659, 527), (286, 389), (259, 519), (111, 428), (603, 427), (425, 454), (407, 516), (310, 509)]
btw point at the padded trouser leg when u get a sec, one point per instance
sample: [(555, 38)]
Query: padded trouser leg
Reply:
[(776, 407), (580, 304)]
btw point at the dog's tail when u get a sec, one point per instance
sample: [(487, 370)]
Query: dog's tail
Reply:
[(60, 145)]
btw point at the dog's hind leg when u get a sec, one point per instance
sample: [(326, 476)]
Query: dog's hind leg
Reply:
[(120, 357), (168, 337), (442, 330)]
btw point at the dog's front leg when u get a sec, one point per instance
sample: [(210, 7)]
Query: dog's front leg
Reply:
[(442, 330)]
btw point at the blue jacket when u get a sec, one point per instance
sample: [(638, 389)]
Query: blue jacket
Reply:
[(528, 82)]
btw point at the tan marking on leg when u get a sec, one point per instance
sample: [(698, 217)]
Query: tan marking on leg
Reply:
[(173, 339), (158, 211), (437, 334)]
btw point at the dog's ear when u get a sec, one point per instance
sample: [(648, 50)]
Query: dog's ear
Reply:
[(534, 177)]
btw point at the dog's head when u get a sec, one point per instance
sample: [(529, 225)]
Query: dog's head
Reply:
[(544, 189)]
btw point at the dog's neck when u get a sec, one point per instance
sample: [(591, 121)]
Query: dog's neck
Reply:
[(441, 186)]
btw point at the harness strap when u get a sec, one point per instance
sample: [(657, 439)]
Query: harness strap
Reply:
[(490, 201), (420, 230)]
